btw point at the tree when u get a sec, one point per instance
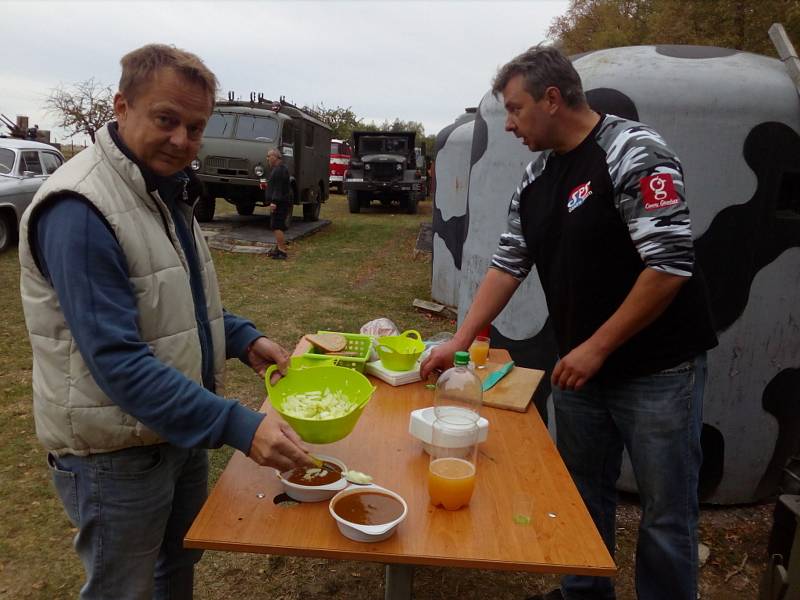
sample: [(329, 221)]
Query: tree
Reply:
[(84, 107), (342, 121), (740, 24)]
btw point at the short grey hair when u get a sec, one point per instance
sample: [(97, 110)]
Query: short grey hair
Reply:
[(276, 152), (542, 67)]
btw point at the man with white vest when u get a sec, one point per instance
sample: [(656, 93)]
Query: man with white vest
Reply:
[(130, 338)]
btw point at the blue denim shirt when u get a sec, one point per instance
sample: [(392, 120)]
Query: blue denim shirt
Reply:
[(85, 264)]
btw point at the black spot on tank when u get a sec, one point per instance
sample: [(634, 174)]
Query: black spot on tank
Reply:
[(441, 137), (453, 233), (781, 399), (467, 116), (480, 139), (695, 51), (713, 444), (537, 352), (744, 238), (444, 134), (612, 102)]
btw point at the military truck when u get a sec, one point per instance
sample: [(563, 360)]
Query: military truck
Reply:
[(232, 162), (383, 167)]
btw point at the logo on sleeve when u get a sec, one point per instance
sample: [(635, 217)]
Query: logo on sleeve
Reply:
[(579, 195), (658, 191)]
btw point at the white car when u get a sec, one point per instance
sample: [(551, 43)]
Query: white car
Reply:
[(24, 165)]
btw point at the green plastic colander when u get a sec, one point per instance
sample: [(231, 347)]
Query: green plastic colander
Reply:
[(355, 387)]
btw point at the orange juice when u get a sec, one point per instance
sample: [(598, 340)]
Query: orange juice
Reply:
[(479, 352), (450, 482)]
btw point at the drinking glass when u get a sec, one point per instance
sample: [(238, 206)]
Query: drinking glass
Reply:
[(451, 472), (479, 351)]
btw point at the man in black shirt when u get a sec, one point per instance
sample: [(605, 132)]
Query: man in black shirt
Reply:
[(279, 197), (602, 213)]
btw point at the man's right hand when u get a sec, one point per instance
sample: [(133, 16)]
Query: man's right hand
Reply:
[(439, 359), (277, 445)]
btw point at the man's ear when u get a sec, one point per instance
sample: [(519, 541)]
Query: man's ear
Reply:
[(120, 107), (554, 99)]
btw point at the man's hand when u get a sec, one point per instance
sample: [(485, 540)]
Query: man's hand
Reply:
[(277, 445), (578, 367), (649, 297), (440, 358), (273, 206), (264, 352)]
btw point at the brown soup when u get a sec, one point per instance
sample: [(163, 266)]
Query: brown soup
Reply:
[(368, 508), (327, 473)]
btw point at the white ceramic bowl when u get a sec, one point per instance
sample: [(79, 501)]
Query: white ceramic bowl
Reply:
[(315, 493), (367, 533)]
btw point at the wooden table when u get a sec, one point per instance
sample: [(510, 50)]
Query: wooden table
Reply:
[(519, 472)]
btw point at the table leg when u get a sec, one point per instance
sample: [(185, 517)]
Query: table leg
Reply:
[(399, 581)]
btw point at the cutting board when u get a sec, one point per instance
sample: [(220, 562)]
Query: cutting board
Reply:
[(512, 392)]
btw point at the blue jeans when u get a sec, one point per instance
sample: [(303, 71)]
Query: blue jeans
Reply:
[(658, 419), (132, 509)]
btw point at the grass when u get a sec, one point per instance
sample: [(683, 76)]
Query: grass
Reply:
[(358, 268)]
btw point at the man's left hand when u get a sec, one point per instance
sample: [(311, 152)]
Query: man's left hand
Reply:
[(578, 367), (263, 352)]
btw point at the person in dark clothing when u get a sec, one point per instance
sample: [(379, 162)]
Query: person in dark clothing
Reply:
[(280, 201), (603, 215)]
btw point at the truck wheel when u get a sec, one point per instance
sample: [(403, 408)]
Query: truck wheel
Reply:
[(246, 208), (311, 211), (411, 203), (204, 211), (7, 230), (353, 202)]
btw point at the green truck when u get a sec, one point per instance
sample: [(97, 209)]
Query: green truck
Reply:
[(232, 161), (383, 167)]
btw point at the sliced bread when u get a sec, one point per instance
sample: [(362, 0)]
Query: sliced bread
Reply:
[(328, 342)]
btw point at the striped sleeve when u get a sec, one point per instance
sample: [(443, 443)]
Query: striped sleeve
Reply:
[(649, 195), (513, 255)]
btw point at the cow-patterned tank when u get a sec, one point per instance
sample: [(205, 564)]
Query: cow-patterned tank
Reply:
[(733, 118)]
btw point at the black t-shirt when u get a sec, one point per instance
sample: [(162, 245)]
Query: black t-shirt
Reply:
[(592, 219), (278, 186)]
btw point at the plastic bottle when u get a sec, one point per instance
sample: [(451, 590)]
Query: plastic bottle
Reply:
[(459, 395)]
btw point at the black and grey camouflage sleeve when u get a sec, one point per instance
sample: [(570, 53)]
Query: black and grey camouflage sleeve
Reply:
[(649, 194), (513, 255)]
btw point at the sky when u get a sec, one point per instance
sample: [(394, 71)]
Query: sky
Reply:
[(417, 60)]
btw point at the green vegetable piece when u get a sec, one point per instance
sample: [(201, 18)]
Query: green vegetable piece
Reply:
[(522, 519)]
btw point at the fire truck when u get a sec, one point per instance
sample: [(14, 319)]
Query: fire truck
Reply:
[(340, 158)]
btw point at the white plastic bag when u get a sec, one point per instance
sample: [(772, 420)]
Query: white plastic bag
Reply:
[(377, 328)]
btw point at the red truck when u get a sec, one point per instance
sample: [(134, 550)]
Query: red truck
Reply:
[(340, 158)]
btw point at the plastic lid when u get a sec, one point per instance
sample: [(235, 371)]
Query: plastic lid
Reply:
[(461, 358)]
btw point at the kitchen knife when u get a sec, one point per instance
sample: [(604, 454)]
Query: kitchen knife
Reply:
[(493, 378)]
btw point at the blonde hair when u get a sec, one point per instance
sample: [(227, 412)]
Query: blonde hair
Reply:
[(140, 65)]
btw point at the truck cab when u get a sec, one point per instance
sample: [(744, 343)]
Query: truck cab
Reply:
[(383, 167), (340, 158), (232, 161)]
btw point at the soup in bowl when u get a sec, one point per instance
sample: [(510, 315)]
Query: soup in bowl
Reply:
[(368, 513), (314, 484)]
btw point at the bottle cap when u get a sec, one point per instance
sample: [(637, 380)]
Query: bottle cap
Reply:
[(461, 358)]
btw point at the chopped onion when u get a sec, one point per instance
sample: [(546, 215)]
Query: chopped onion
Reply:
[(318, 406)]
